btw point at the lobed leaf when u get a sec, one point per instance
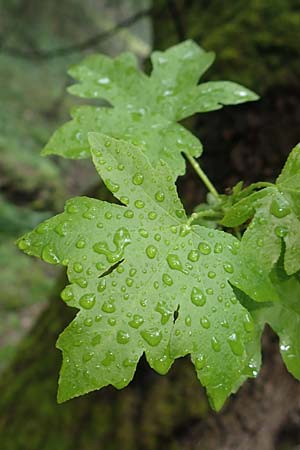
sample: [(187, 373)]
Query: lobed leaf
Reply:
[(145, 108), (275, 222), (144, 281)]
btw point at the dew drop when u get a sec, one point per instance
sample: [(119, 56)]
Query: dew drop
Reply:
[(67, 294), (138, 179), (228, 267), (205, 323), (152, 336), (279, 209), (204, 248), (152, 215), (113, 187), (49, 254), (123, 337), (77, 267), (80, 243), (139, 204), (108, 360), (87, 301), (199, 362), (96, 340), (151, 251), (167, 279), (108, 307), (281, 231), (235, 344), (159, 196), (216, 346), (129, 214), (197, 297), (218, 248), (194, 255), (136, 321), (87, 356)]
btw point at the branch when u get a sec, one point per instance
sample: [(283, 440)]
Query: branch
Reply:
[(90, 42)]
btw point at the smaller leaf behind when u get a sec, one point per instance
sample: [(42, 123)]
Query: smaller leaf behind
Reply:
[(145, 109), (276, 213)]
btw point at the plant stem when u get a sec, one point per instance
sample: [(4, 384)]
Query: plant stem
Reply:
[(202, 175)]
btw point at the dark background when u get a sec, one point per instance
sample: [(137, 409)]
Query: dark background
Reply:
[(257, 44)]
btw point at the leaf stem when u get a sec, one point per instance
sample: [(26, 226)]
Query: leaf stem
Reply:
[(202, 175)]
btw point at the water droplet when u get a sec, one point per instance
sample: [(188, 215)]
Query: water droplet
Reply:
[(188, 321), (108, 307), (199, 362), (175, 263), (279, 208), (194, 255), (82, 282), (87, 301), (248, 323), (209, 291), (67, 294), (102, 285), (88, 322), (124, 200), (151, 251), (281, 231), (159, 196), (136, 321), (123, 337), (157, 237), (139, 204), (228, 267), (87, 356), (108, 360), (204, 248), (80, 243), (143, 233), (152, 215), (205, 323), (77, 267), (24, 244), (211, 274), (138, 179), (61, 229), (49, 254), (218, 248), (165, 312), (235, 344), (259, 242), (121, 239), (216, 346), (113, 187), (167, 279), (96, 340), (72, 209), (152, 336), (197, 297), (112, 322), (180, 213), (128, 214)]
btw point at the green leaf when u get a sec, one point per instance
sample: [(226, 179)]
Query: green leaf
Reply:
[(276, 214), (283, 316), (144, 281), (145, 108)]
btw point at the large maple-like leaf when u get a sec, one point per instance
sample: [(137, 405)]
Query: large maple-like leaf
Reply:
[(276, 220), (145, 280), (145, 109)]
